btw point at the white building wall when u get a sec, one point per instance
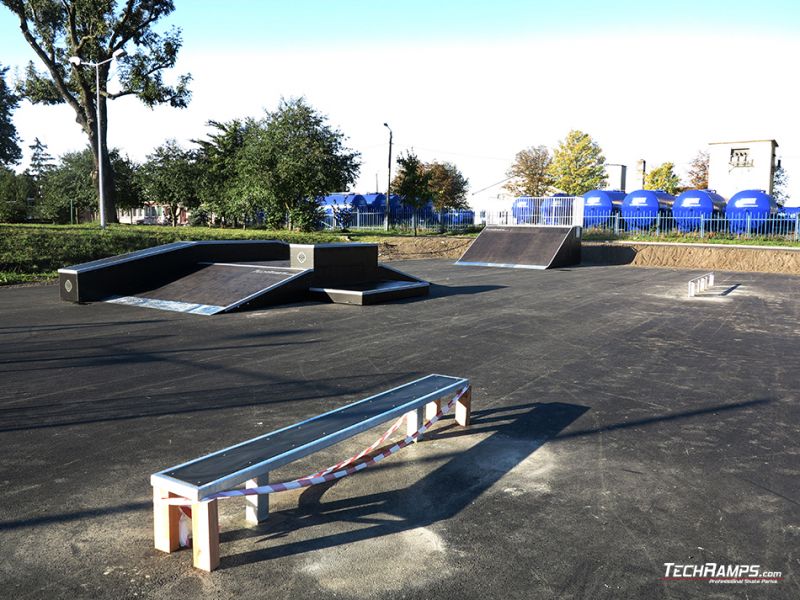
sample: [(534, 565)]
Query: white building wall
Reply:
[(616, 177), (737, 166)]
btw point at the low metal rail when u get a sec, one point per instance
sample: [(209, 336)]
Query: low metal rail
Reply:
[(700, 284)]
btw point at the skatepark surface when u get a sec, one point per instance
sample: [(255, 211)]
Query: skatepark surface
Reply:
[(617, 426)]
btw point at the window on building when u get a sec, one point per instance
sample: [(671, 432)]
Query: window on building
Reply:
[(740, 157)]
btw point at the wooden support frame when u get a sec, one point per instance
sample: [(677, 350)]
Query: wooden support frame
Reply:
[(257, 507), (431, 409), (205, 517), (205, 535), (166, 519), (414, 421), (464, 408)]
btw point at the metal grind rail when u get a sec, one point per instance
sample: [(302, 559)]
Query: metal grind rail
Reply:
[(700, 284)]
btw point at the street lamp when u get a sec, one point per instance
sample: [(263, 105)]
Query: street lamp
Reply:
[(78, 62), (389, 183)]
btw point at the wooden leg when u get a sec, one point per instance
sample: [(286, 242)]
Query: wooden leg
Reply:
[(165, 522), (205, 535), (464, 408), (257, 507), (431, 408), (414, 421)]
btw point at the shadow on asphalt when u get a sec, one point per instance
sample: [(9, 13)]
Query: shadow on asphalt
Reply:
[(268, 390), (441, 291), (440, 495)]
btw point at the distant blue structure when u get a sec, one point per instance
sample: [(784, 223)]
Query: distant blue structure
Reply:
[(749, 211), (555, 209), (462, 218), (525, 210), (375, 201), (600, 205), (641, 208), (791, 211), (693, 207), (356, 201)]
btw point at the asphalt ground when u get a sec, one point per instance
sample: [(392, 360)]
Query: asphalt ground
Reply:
[(617, 426)]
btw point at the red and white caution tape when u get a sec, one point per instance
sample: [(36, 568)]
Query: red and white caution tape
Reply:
[(335, 471)]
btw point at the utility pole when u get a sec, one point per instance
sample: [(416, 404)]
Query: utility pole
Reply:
[(389, 183)]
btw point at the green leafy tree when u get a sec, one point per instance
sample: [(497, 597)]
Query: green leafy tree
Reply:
[(663, 177), (290, 160), (698, 171), (128, 189), (10, 152), (68, 190), (578, 164), (448, 186), (530, 174), (15, 189), (170, 177), (94, 31), (412, 183), (223, 191)]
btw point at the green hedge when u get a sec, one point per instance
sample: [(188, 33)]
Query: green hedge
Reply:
[(35, 252)]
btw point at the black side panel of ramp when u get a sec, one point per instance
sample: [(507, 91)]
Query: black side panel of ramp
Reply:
[(524, 247), (152, 268)]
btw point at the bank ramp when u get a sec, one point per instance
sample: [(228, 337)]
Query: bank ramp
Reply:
[(524, 247)]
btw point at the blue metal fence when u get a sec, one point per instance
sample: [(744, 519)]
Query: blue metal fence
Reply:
[(402, 219), (663, 223)]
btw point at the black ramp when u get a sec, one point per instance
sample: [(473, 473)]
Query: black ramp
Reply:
[(219, 284), (524, 247), (218, 287)]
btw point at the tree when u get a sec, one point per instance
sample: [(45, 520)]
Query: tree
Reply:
[(95, 31), (448, 186), (41, 164), (126, 178), (170, 177), (780, 182), (578, 164), (68, 189), (412, 183), (14, 194), (530, 174), (10, 152), (222, 165), (663, 177), (290, 160), (698, 171), (41, 160)]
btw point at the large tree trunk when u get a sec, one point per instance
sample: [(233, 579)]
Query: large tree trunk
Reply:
[(109, 189)]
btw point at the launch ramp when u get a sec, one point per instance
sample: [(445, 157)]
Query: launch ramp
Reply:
[(524, 247)]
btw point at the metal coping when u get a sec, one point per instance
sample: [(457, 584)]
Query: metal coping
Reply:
[(169, 305), (336, 245), (433, 387), (155, 251), (131, 256), (394, 286)]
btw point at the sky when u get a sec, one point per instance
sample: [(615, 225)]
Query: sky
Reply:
[(472, 83)]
